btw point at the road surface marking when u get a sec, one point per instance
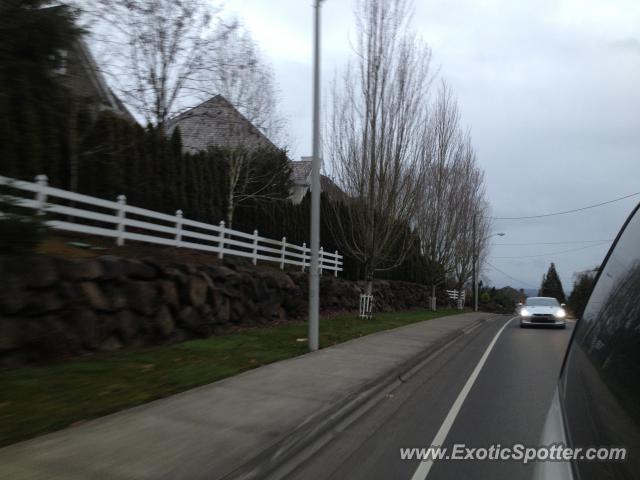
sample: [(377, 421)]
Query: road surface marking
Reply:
[(423, 468)]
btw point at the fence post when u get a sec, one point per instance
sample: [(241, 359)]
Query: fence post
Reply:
[(122, 201), (335, 272), (178, 228), (321, 259), (255, 247), (304, 255), (221, 241), (41, 194), (284, 249)]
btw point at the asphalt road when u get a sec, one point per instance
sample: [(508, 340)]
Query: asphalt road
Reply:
[(506, 405)]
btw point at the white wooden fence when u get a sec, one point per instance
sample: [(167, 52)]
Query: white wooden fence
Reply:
[(458, 296), (126, 222), (366, 304)]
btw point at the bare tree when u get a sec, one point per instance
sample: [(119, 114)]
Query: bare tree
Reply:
[(248, 82), (452, 196), (158, 52), (250, 179), (373, 140), (435, 224), (471, 209)]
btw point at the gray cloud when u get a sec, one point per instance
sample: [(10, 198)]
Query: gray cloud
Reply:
[(627, 45)]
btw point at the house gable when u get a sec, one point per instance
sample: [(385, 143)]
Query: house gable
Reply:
[(217, 123)]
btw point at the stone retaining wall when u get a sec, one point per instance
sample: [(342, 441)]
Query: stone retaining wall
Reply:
[(54, 308)]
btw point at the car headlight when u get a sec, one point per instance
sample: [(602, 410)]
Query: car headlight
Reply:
[(561, 313), (524, 312)]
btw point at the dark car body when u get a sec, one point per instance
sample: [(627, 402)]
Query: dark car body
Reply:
[(597, 402)]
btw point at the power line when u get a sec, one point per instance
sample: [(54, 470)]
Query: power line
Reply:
[(550, 243), (558, 253), (509, 276), (567, 211)]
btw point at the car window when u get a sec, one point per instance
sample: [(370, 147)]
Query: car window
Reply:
[(600, 381), (542, 302)]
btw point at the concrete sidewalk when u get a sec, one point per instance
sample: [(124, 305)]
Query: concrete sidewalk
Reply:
[(234, 427)]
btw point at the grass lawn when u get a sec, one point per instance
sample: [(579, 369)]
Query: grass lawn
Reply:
[(37, 400)]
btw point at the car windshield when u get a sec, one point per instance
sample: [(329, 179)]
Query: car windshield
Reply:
[(542, 302)]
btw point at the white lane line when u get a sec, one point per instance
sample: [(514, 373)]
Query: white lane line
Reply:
[(425, 466)]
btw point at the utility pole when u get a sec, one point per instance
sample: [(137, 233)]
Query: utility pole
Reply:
[(314, 277)]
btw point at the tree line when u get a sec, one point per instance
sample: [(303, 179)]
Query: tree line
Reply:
[(399, 152)]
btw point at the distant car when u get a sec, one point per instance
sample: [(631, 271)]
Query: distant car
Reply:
[(542, 311), (597, 399)]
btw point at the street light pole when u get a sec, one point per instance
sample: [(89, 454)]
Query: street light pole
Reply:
[(314, 278), (476, 254)]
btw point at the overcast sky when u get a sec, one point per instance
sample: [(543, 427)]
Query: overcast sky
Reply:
[(549, 88)]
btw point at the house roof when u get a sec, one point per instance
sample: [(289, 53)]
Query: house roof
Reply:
[(217, 123), (301, 172), (92, 85), (333, 191), (301, 176), (102, 90)]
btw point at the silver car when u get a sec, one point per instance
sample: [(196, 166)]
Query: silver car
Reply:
[(543, 311)]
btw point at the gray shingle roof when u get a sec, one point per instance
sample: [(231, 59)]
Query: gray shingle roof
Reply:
[(217, 123), (300, 172)]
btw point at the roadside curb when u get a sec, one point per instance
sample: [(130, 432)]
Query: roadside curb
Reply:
[(290, 450)]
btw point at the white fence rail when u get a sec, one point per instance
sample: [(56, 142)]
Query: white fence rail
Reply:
[(458, 296), (366, 306), (124, 222)]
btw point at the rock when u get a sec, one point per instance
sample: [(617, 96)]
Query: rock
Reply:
[(176, 275), (268, 280), (94, 296), (284, 281), (69, 292), (191, 319), (86, 324), (219, 272), (197, 291), (138, 270), (205, 312), (142, 297), (178, 335), (295, 306), (111, 344), (252, 288), (169, 294), (13, 297), (34, 271), (11, 337), (52, 337), (222, 313), (163, 323), (273, 312), (116, 298), (230, 264), (44, 302), (126, 326), (238, 312), (112, 267), (81, 270)]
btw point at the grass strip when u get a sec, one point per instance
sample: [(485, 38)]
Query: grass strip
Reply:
[(37, 400)]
